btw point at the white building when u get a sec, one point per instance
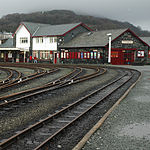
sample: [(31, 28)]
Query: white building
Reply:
[(43, 40)]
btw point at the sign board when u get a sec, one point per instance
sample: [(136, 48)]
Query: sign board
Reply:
[(127, 42)]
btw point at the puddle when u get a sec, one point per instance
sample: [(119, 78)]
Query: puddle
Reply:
[(136, 130)]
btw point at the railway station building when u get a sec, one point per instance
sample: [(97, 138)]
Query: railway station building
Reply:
[(9, 53), (41, 41), (93, 47), (74, 43)]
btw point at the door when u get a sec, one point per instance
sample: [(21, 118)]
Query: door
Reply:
[(55, 58), (117, 57), (128, 57)]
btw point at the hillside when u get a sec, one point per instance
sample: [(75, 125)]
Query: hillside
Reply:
[(10, 22)]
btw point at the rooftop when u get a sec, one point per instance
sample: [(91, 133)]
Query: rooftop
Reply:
[(37, 29), (93, 39), (8, 44), (146, 40)]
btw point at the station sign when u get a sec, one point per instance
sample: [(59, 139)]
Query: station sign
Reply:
[(127, 42)]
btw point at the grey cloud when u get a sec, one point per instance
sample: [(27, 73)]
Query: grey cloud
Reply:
[(133, 11)]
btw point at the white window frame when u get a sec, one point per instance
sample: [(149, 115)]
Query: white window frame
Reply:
[(39, 40), (51, 40), (23, 40), (55, 39)]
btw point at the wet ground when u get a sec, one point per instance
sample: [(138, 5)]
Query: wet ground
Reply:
[(128, 126)]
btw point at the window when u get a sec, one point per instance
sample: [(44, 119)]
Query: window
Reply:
[(39, 40), (140, 53), (45, 55), (95, 54), (2, 55), (72, 35), (79, 55), (53, 39), (91, 55), (62, 54), (88, 55), (98, 55), (23, 40), (149, 54), (35, 54), (85, 55), (114, 54)]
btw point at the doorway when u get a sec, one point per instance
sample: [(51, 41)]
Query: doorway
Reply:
[(128, 57)]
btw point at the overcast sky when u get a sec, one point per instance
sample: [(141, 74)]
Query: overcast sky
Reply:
[(136, 12)]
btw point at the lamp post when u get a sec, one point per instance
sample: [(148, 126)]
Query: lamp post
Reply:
[(109, 51)]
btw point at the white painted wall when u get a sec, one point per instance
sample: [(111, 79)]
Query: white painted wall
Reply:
[(46, 45), (22, 32)]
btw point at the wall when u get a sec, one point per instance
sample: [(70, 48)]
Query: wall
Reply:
[(70, 35), (22, 32), (46, 45), (137, 44)]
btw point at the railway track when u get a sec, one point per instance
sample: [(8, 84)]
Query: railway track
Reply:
[(20, 80), (71, 78), (42, 134), (29, 92), (9, 75), (14, 77)]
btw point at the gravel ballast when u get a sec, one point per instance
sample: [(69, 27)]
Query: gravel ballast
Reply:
[(31, 113), (128, 126), (3, 75), (35, 83)]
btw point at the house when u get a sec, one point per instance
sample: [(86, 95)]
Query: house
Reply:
[(43, 40), (74, 43), (92, 47), (8, 52)]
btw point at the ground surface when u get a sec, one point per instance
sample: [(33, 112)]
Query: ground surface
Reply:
[(128, 126)]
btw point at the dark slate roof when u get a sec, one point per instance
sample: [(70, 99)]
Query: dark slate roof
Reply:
[(55, 29), (146, 40), (93, 39), (8, 44), (37, 29), (33, 27)]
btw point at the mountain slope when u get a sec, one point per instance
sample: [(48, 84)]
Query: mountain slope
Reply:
[(10, 22)]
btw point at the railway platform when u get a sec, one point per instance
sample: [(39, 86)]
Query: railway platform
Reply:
[(128, 125)]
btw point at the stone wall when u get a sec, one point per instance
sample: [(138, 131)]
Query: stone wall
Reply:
[(130, 41)]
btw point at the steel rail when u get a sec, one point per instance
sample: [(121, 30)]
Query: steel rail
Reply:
[(39, 124), (8, 77), (23, 79), (6, 84), (30, 91), (37, 88), (51, 86), (47, 141), (26, 78)]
